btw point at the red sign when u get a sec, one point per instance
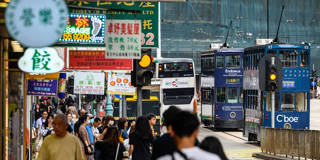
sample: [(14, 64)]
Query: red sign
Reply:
[(95, 60)]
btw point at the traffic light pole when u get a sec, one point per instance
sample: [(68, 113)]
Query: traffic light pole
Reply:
[(272, 108), (139, 101)]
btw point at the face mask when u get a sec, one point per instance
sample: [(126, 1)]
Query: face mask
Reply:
[(111, 123), (91, 121)]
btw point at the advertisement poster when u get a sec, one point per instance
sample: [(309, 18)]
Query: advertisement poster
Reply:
[(120, 84), (123, 39), (42, 87), (95, 60), (89, 83), (85, 29)]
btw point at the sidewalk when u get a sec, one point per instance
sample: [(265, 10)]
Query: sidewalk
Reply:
[(262, 155)]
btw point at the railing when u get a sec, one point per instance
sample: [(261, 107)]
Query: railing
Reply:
[(295, 143)]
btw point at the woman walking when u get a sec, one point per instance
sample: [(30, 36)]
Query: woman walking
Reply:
[(111, 148), (141, 140)]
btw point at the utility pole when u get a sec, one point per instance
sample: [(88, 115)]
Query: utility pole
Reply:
[(273, 99), (139, 101), (124, 106)]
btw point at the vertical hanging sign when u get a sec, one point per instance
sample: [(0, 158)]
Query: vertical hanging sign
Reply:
[(123, 39)]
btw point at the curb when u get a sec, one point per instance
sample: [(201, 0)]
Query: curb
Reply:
[(262, 155)]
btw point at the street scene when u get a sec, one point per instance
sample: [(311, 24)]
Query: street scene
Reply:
[(159, 80)]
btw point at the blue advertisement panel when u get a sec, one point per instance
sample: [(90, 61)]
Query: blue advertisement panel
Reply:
[(42, 87)]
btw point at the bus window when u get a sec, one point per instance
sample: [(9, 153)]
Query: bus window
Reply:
[(241, 95), (272, 52), (302, 101), (287, 102), (232, 95), (176, 69), (233, 61), (219, 61), (221, 95), (304, 60), (289, 58)]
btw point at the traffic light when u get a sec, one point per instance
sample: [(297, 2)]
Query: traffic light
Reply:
[(270, 75), (70, 85), (143, 70)]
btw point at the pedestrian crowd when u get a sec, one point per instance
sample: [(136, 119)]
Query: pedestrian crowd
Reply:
[(65, 134)]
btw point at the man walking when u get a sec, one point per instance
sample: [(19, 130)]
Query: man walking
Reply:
[(61, 145), (185, 128)]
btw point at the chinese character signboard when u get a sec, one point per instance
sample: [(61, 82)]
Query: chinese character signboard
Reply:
[(84, 28), (89, 83), (42, 87), (147, 12), (120, 84), (95, 60), (123, 39), (41, 61), (36, 23)]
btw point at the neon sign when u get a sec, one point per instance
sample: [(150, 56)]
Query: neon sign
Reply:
[(84, 28)]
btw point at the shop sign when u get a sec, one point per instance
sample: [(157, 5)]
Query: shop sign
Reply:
[(42, 87), (84, 28), (120, 84), (147, 12), (123, 39), (41, 61), (95, 60), (36, 23), (89, 83)]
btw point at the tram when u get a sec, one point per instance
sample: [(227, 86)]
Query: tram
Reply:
[(292, 101), (221, 87)]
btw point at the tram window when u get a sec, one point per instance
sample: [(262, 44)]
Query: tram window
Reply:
[(219, 61), (241, 95), (287, 102), (232, 95), (233, 61), (289, 58), (272, 52), (221, 95), (206, 96), (302, 101), (268, 102), (304, 60)]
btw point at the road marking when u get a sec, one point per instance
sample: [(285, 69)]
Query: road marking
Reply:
[(241, 153)]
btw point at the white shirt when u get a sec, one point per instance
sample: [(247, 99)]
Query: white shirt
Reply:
[(194, 153), (39, 123)]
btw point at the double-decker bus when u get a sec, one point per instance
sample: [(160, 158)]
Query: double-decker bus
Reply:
[(221, 87), (292, 102), (177, 83)]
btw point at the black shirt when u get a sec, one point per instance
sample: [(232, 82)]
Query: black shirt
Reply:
[(162, 146), (141, 147), (107, 151)]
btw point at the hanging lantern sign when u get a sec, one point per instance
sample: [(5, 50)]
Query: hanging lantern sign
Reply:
[(36, 23), (41, 61)]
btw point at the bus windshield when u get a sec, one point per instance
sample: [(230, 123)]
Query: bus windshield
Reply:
[(176, 69)]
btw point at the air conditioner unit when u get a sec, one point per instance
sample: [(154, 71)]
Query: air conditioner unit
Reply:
[(263, 41), (215, 45)]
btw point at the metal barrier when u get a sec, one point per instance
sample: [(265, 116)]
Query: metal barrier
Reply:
[(295, 143)]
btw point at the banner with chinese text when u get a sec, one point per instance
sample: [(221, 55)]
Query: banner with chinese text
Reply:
[(89, 83), (84, 28), (123, 39), (95, 60), (147, 12), (42, 87), (120, 84)]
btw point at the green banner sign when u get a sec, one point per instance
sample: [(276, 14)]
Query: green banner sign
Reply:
[(147, 12)]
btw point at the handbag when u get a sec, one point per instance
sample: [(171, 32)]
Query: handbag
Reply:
[(86, 150), (117, 152), (120, 137)]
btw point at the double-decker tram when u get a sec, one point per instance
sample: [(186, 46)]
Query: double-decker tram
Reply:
[(221, 87), (291, 101)]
